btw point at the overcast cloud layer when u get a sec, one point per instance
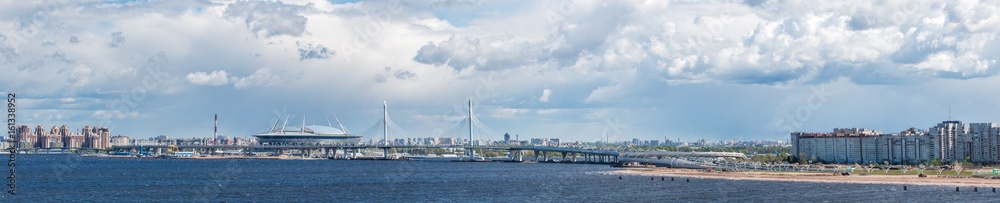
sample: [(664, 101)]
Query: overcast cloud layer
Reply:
[(578, 70)]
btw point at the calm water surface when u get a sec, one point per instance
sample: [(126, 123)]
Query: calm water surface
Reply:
[(69, 178)]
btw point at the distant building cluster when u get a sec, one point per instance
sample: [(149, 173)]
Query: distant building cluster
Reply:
[(429, 141), (700, 143), (61, 137), (438, 141), (948, 141), (451, 141), (558, 142), (205, 141), (545, 141)]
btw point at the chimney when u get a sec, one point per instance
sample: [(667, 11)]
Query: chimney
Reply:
[(216, 126)]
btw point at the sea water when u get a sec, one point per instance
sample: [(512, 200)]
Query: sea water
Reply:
[(71, 178)]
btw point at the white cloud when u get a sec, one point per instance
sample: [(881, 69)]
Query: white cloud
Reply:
[(507, 113), (668, 59), (310, 51), (269, 18), (116, 39), (548, 111), (80, 76), (215, 78), (261, 77), (113, 114), (545, 95), (772, 43)]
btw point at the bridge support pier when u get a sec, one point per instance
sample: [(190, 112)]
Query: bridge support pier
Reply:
[(574, 157), (546, 156), (563, 157), (536, 155)]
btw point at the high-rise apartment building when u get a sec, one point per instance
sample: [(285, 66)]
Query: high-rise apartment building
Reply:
[(947, 141), (61, 137)]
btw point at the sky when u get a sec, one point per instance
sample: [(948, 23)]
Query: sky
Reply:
[(576, 70)]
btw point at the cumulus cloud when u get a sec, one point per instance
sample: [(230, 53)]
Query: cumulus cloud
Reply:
[(61, 57), (310, 51), (30, 65), (380, 79), (545, 95), (80, 76), (757, 42), (116, 39), (507, 113), (6, 50), (548, 111), (398, 74), (215, 78), (113, 114), (261, 77), (269, 18), (404, 75), (461, 52), (501, 53)]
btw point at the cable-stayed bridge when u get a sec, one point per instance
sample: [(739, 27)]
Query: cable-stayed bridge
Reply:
[(385, 131), (479, 136)]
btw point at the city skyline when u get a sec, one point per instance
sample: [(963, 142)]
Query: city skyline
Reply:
[(561, 69)]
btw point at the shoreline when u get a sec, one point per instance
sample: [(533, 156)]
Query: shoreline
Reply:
[(931, 180)]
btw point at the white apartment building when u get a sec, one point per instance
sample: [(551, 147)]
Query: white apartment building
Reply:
[(985, 141), (947, 141)]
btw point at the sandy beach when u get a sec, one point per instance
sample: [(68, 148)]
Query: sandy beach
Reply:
[(932, 179)]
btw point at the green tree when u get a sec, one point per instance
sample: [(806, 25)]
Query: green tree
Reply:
[(935, 162)]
